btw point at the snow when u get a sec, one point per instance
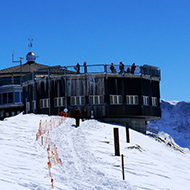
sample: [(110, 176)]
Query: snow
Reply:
[(175, 121), (87, 155)]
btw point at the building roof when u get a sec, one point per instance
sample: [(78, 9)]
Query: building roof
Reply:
[(28, 67)]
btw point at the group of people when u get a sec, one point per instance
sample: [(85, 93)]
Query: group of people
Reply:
[(77, 68), (122, 68), (77, 115)]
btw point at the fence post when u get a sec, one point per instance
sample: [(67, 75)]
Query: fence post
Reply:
[(42, 140), (116, 141), (122, 162), (127, 133)]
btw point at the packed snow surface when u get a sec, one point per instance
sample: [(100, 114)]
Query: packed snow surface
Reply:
[(87, 155)]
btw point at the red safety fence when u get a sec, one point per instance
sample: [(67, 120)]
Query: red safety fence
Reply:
[(42, 136)]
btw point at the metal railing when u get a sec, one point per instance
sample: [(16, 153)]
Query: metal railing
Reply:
[(144, 70)]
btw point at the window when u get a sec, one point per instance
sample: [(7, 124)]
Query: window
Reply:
[(97, 99), (4, 98), (7, 114), (132, 99), (146, 100), (18, 97), (12, 113), (60, 101), (27, 106), (33, 106), (44, 103), (154, 101), (10, 97), (1, 114), (77, 100), (115, 99)]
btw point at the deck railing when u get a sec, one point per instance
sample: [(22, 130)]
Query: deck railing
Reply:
[(144, 70)]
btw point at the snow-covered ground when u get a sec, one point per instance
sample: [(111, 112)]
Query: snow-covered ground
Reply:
[(87, 155)]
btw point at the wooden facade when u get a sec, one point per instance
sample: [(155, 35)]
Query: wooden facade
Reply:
[(111, 97)]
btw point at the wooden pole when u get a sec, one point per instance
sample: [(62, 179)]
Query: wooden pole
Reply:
[(127, 133), (122, 162), (116, 141), (42, 140)]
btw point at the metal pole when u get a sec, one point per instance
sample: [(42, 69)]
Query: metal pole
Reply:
[(127, 133), (49, 88), (122, 162), (21, 71)]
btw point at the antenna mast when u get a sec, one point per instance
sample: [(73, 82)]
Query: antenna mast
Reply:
[(30, 44)]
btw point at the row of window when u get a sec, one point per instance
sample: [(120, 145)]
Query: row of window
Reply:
[(7, 114), (10, 97), (96, 99), (133, 100)]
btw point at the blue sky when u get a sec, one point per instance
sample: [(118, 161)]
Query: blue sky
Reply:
[(155, 32)]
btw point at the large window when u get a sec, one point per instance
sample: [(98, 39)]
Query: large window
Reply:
[(132, 99), (77, 100), (96, 99), (154, 101), (146, 100), (18, 97), (59, 101), (44, 103), (115, 99)]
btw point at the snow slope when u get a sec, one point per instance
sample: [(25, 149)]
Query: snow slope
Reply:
[(88, 160), (175, 121)]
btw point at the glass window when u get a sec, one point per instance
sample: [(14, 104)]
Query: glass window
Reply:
[(33, 106), (82, 100), (55, 102), (145, 100), (41, 104), (27, 106), (115, 99), (17, 97), (77, 100), (73, 100), (132, 99), (7, 114), (154, 101), (1, 114), (96, 99), (59, 102), (21, 94), (12, 113), (4, 98), (101, 99), (10, 97)]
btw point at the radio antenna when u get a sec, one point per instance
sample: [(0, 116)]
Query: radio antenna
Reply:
[(30, 44)]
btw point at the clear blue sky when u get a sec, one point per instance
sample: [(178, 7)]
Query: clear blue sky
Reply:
[(155, 32)]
